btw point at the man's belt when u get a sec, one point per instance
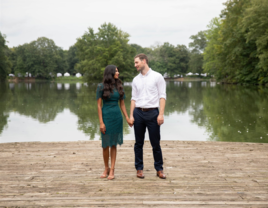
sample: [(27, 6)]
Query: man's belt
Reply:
[(147, 109)]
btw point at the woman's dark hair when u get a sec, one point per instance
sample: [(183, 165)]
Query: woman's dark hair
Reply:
[(109, 82)]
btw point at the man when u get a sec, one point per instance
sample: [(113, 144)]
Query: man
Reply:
[(148, 93)]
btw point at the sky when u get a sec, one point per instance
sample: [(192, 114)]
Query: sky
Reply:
[(148, 22)]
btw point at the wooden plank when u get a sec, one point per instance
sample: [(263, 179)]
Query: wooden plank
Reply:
[(60, 174)]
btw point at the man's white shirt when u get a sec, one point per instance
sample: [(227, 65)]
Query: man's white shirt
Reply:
[(148, 89)]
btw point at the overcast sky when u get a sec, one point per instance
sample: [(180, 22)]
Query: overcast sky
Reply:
[(147, 21)]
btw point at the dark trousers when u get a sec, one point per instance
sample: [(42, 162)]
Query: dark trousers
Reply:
[(142, 120)]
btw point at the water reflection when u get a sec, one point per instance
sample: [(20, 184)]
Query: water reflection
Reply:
[(223, 112)]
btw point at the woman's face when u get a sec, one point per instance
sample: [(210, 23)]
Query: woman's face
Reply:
[(116, 75)]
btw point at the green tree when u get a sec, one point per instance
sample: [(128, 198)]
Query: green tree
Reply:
[(108, 46), (42, 58), (72, 59), (196, 56), (211, 60), (199, 42), (5, 64), (255, 24), (237, 45)]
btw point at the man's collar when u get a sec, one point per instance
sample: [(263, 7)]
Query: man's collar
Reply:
[(148, 72)]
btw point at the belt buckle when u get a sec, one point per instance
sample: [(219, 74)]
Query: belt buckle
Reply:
[(142, 109)]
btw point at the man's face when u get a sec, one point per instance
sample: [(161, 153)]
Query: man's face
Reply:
[(139, 64)]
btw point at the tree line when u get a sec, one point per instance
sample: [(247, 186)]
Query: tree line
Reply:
[(234, 49)]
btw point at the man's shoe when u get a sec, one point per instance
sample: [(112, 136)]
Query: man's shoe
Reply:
[(140, 174), (160, 174)]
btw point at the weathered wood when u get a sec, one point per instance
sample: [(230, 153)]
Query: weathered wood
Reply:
[(199, 174)]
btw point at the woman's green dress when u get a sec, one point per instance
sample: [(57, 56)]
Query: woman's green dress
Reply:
[(112, 118)]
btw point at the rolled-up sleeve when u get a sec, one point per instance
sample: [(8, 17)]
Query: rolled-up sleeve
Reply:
[(134, 91), (161, 86)]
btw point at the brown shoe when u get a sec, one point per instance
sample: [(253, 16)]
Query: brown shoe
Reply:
[(140, 174), (160, 174)]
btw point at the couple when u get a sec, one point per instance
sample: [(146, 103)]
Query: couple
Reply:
[(148, 93)]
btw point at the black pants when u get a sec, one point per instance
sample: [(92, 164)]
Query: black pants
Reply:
[(142, 120)]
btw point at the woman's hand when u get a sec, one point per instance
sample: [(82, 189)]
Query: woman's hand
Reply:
[(130, 122), (102, 128)]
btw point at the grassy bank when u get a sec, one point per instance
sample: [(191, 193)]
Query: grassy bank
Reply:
[(70, 79)]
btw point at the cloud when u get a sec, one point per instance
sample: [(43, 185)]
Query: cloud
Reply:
[(147, 21)]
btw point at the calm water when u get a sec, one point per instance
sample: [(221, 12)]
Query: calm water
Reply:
[(196, 111)]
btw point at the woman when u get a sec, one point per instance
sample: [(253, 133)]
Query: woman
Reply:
[(111, 121)]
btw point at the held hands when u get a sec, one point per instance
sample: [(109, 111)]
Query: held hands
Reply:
[(160, 120), (130, 121), (102, 128)]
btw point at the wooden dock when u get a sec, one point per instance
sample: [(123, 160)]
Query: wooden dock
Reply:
[(199, 174)]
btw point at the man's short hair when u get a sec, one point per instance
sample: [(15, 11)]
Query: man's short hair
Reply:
[(142, 56)]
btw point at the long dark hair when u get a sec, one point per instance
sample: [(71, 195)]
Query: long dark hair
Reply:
[(109, 82)]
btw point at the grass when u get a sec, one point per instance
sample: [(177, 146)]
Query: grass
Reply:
[(70, 79)]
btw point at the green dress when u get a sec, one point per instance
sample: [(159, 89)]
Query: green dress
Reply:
[(112, 118)]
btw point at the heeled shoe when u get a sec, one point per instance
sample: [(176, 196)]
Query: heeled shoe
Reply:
[(111, 177), (107, 173)]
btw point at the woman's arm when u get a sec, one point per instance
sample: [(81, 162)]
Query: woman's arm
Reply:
[(123, 109), (102, 125)]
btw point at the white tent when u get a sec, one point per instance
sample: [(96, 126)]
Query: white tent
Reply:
[(190, 73), (78, 75), (59, 75), (66, 74), (196, 74), (11, 75)]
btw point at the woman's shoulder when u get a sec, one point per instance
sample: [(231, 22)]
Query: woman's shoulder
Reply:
[(100, 86)]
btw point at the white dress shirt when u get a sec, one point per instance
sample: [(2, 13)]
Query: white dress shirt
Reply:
[(148, 89)]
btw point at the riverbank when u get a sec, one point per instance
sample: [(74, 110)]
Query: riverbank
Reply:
[(199, 174), (190, 79), (70, 79)]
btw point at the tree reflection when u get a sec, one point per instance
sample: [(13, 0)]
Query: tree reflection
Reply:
[(85, 107), (235, 113), (4, 102), (228, 112)]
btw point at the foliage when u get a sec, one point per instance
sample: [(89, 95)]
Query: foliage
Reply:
[(40, 58), (196, 56), (199, 42), (211, 63), (237, 48), (255, 25), (72, 59), (108, 46), (5, 64)]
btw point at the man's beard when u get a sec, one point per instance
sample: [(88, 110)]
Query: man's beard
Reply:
[(141, 68)]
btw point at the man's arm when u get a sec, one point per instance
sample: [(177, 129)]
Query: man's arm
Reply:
[(132, 107), (160, 118), (161, 87)]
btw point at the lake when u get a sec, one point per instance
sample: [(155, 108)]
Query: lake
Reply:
[(195, 111)]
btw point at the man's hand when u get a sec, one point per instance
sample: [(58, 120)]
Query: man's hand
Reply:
[(160, 119), (131, 121), (102, 128)]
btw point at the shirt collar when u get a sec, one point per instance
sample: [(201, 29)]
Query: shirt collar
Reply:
[(146, 73)]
